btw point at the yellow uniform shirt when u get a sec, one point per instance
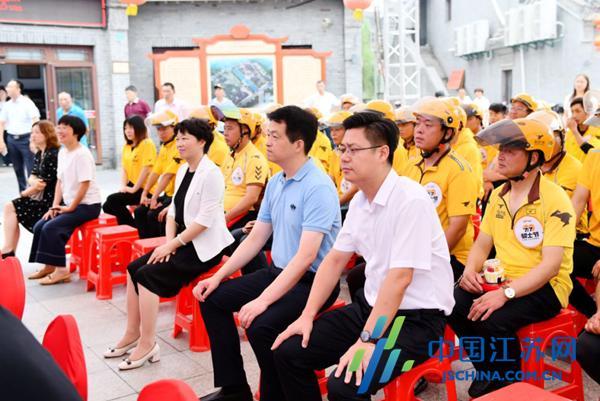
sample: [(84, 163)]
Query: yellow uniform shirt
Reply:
[(261, 144), (321, 150), (545, 219), (469, 150), (167, 162), (249, 166), (593, 133), (452, 187), (565, 175), (400, 159), (335, 172), (590, 179), (134, 159), (219, 152)]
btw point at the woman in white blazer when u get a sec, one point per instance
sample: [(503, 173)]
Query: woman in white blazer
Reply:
[(196, 236)]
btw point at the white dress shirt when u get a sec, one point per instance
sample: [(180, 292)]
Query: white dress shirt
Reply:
[(18, 115), (400, 229), (204, 205), (178, 107)]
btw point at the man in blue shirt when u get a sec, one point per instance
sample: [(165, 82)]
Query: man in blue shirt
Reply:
[(301, 209), (68, 107)]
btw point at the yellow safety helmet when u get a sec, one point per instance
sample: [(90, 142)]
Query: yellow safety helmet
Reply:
[(247, 118), (357, 108), (548, 117), (444, 109), (382, 107), (472, 110), (526, 99), (205, 113), (271, 107), (404, 115), (528, 133), (543, 105), (336, 120), (165, 119), (349, 98), (315, 112)]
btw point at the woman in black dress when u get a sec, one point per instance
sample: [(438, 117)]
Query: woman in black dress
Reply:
[(196, 237), (38, 197)]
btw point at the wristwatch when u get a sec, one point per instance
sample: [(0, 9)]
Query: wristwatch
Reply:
[(365, 336), (509, 292)]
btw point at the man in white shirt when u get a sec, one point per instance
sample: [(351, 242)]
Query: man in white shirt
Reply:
[(483, 103), (170, 102), (392, 223), (323, 101), (220, 100), (17, 116)]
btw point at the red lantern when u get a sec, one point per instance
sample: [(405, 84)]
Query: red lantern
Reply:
[(358, 6)]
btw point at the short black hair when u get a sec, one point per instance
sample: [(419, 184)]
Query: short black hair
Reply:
[(300, 124), (378, 130), (169, 84), (439, 94), (478, 90), (498, 108), (577, 100), (19, 84), (2, 88), (197, 128), (75, 123), (139, 127), (131, 88)]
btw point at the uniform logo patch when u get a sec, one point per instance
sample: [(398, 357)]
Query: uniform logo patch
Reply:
[(529, 231), (237, 177), (435, 193), (562, 216)]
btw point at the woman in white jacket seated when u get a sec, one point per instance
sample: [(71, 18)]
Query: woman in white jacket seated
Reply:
[(196, 236)]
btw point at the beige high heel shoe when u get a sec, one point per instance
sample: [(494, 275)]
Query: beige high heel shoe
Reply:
[(152, 356), (116, 352)]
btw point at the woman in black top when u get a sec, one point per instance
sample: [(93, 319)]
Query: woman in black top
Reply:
[(38, 197), (196, 236)]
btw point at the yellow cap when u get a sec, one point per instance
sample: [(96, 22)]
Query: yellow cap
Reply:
[(444, 109), (526, 99), (543, 105), (336, 119), (404, 115), (349, 98), (357, 108), (381, 106), (315, 112), (548, 117), (165, 118)]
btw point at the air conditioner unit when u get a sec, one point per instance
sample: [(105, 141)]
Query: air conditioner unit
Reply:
[(512, 34), (531, 22), (547, 19), (471, 38)]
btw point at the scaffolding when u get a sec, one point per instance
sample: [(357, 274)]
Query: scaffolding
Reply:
[(401, 51)]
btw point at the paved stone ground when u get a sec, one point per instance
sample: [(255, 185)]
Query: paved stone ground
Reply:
[(101, 323)]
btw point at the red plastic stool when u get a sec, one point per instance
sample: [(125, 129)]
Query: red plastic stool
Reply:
[(144, 246), (560, 325), (187, 312), (402, 387), (80, 243), (114, 254), (521, 392)]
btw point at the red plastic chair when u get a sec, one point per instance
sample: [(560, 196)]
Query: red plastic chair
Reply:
[(187, 312), (561, 325), (236, 219), (167, 390), (521, 392), (114, 253), (12, 295), (64, 344)]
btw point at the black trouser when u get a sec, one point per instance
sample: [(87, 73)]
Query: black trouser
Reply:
[(356, 280), (116, 204), (146, 219), (257, 262), (28, 371), (229, 297), (504, 323), (336, 331), (585, 255), (588, 354), (457, 268)]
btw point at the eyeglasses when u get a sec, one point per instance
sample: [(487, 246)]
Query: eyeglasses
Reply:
[(351, 151)]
